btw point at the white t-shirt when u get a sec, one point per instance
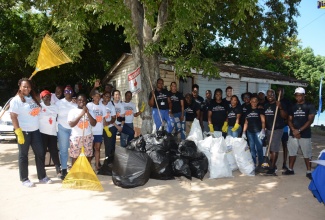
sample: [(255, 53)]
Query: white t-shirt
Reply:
[(98, 112), (27, 113), (130, 110), (110, 111), (47, 119), (77, 131), (54, 99), (120, 112), (64, 107)]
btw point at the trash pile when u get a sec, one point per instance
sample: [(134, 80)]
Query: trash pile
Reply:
[(162, 156)]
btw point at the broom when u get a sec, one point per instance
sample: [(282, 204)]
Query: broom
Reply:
[(82, 175), (50, 55), (267, 161)]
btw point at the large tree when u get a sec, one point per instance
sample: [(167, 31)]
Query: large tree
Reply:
[(175, 29)]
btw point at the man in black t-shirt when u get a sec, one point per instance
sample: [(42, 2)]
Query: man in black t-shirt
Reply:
[(301, 116), (192, 111), (177, 114), (164, 105), (198, 99), (205, 108), (229, 91)]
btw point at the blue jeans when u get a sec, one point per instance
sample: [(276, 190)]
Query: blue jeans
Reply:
[(164, 116), (64, 144), (127, 134), (34, 139), (110, 142), (175, 122), (234, 133), (256, 146)]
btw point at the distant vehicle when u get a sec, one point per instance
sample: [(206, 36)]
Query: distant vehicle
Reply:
[(6, 127)]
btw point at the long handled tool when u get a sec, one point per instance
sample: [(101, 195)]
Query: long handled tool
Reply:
[(267, 161)]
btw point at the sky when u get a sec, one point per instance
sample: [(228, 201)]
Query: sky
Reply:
[(311, 32)]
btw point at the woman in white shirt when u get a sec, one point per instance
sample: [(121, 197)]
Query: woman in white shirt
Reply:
[(64, 130), (24, 111), (47, 123)]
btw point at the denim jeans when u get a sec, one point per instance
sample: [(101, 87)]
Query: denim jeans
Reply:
[(34, 139), (127, 134), (110, 142), (234, 133), (164, 116), (256, 146), (64, 144), (175, 122)]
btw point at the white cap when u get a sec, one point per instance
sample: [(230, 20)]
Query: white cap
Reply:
[(261, 91), (300, 90)]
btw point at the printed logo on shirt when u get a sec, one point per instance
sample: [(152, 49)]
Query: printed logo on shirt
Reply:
[(50, 121), (83, 124), (218, 108), (269, 111), (174, 98), (35, 111), (299, 113)]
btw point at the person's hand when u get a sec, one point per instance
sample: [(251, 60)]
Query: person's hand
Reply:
[(278, 104), (236, 126), (211, 128), (295, 132), (225, 127), (181, 118), (20, 136), (244, 136), (143, 106), (107, 131), (119, 128), (97, 83), (85, 109), (261, 135)]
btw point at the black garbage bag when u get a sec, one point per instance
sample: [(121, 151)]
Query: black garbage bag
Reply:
[(154, 143), (188, 149), (182, 168), (161, 168), (107, 167), (171, 140), (199, 167), (130, 168), (137, 144)]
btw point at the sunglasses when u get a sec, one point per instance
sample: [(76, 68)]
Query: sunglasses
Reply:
[(68, 91)]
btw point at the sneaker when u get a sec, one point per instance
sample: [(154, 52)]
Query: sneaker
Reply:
[(309, 176), (28, 183), (288, 172), (271, 172), (284, 167), (46, 180)]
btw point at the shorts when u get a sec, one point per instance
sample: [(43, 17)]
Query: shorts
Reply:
[(285, 137), (303, 143), (276, 139), (76, 143), (98, 138)]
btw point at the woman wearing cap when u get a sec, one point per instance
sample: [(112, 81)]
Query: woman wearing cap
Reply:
[(24, 112), (64, 130), (47, 123)]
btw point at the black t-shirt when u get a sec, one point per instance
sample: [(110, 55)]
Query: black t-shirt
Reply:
[(262, 104), (245, 109), (162, 99), (269, 111), (205, 108), (199, 100), (219, 113), (232, 114), (253, 117), (190, 110), (300, 113), (227, 103), (176, 101)]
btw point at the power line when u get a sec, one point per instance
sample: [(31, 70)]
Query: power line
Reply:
[(311, 22)]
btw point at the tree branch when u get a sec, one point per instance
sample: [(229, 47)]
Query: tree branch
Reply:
[(162, 18)]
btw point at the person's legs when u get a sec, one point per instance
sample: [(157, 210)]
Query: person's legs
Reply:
[(64, 143), (110, 142), (129, 131), (292, 150), (23, 157), (171, 123), (37, 146), (156, 118), (123, 139), (274, 148), (45, 142), (251, 139), (284, 141), (206, 126), (305, 144), (53, 149), (259, 149)]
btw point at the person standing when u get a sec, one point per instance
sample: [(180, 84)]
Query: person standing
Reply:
[(245, 107), (177, 114), (192, 111), (164, 105), (233, 117), (130, 113), (57, 95), (269, 111), (198, 99), (24, 112), (205, 110), (47, 123), (229, 92), (301, 116), (64, 130)]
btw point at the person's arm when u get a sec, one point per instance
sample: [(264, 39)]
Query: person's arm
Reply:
[(14, 119), (152, 99), (75, 121), (310, 120), (96, 85), (209, 117), (170, 106), (238, 118), (245, 126), (282, 111), (198, 115), (182, 110), (92, 120), (294, 130), (263, 121)]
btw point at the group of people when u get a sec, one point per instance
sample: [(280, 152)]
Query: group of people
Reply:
[(262, 120), (63, 123)]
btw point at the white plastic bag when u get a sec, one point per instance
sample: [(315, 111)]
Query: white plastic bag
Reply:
[(195, 132), (218, 164), (230, 154), (243, 156)]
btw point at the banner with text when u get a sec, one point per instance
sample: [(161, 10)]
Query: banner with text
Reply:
[(134, 79)]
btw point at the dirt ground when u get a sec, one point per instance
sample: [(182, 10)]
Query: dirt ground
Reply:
[(240, 197)]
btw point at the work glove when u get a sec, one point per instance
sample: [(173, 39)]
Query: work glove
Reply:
[(235, 128), (20, 136), (143, 106), (261, 135), (107, 131), (225, 127), (211, 128), (244, 136)]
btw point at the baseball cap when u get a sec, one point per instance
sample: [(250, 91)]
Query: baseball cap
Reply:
[(44, 93), (261, 91), (300, 90)]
